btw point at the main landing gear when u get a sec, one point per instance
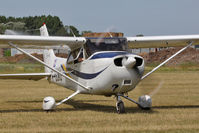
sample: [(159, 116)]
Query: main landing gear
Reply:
[(50, 104), (144, 102)]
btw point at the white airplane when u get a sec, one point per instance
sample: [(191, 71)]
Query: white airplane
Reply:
[(97, 66)]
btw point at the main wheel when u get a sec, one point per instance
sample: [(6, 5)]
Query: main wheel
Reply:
[(145, 102), (49, 104), (120, 107)]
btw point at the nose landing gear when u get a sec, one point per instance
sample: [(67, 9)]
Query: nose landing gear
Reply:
[(120, 105)]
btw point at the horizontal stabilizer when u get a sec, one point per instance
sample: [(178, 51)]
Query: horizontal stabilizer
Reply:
[(25, 76)]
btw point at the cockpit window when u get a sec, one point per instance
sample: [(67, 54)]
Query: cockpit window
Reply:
[(105, 44)]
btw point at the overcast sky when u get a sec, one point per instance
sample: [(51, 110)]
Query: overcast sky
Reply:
[(132, 17)]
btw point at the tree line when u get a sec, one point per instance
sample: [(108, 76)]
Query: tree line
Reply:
[(30, 25)]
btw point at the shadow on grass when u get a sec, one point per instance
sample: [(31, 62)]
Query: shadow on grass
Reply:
[(176, 107), (80, 105), (40, 101)]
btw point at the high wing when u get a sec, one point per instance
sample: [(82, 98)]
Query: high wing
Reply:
[(27, 76), (33, 42), (162, 41)]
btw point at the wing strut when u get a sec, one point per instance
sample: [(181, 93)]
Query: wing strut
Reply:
[(181, 50), (66, 99), (21, 50)]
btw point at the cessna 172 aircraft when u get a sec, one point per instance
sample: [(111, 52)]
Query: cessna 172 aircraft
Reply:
[(97, 66)]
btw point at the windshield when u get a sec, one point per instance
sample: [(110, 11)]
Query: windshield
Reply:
[(105, 44)]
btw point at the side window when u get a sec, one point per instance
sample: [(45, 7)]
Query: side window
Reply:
[(80, 56), (76, 56)]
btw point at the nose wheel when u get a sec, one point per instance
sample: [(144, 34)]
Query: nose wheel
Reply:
[(120, 105)]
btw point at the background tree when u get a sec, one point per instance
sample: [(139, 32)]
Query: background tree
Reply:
[(32, 24), (71, 30)]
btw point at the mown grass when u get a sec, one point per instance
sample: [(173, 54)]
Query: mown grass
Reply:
[(37, 68), (175, 107), (185, 66), (20, 68)]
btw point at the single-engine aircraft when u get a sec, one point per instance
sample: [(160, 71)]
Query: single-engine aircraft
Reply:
[(95, 65)]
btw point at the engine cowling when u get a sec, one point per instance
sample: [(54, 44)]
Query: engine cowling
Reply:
[(49, 103)]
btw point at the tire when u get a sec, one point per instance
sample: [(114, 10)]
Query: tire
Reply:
[(120, 107)]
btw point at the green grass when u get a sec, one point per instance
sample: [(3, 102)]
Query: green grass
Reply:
[(186, 66), (21, 68), (34, 68), (175, 107)]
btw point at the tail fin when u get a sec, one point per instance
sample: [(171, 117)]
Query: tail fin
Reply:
[(44, 30), (48, 54)]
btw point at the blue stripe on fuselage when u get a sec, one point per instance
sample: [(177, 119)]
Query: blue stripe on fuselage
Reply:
[(107, 55), (87, 75)]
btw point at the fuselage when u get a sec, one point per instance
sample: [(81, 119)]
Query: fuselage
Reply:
[(105, 72)]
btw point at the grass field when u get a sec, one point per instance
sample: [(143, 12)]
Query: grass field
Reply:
[(175, 107), (20, 68)]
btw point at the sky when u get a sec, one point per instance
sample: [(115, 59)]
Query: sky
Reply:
[(132, 17)]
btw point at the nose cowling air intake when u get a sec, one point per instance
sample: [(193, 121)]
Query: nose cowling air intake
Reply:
[(128, 61)]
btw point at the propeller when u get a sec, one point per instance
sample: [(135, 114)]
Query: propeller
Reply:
[(129, 62), (103, 35), (157, 88)]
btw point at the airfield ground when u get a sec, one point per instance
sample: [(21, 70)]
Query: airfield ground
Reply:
[(175, 107)]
